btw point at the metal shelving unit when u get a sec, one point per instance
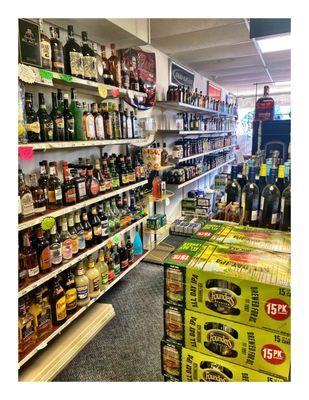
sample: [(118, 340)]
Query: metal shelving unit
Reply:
[(226, 148), (171, 105), (204, 133)]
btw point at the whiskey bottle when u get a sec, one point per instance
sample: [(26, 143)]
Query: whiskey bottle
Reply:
[(43, 251), (54, 187), (269, 204), (66, 240), (92, 184), (45, 47), (25, 195), (106, 176), (28, 259), (114, 66), (250, 200), (94, 278), (58, 303), (264, 107), (58, 120), (107, 121), (69, 287), (99, 176), (77, 112), (26, 333), (80, 184), (107, 74), (73, 233), (41, 312), (104, 222), (55, 246), (82, 286), (46, 122), (68, 120), (89, 59), (95, 223), (73, 56), (123, 173), (32, 125), (68, 188), (56, 50), (98, 122), (99, 63), (87, 229), (80, 232)]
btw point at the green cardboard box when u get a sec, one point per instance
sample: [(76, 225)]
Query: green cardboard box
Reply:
[(182, 364), (247, 286)]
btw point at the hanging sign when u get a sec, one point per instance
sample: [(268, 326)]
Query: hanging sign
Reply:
[(66, 78), (102, 90), (115, 92), (25, 153), (180, 75), (47, 223), (46, 74), (26, 73), (213, 91)]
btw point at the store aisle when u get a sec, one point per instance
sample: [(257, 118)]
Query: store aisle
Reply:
[(128, 348)]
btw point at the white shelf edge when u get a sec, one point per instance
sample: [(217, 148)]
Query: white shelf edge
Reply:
[(179, 160), (177, 132), (75, 260), (172, 105), (78, 206), (80, 311)]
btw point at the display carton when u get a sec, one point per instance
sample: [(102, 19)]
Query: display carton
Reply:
[(182, 364), (237, 283)]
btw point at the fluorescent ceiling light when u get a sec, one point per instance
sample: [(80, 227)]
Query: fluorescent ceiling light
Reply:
[(283, 83), (275, 43)]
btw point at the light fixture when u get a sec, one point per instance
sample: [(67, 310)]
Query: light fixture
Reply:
[(283, 83), (275, 43)]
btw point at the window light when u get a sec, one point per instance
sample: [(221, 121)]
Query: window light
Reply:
[(275, 43)]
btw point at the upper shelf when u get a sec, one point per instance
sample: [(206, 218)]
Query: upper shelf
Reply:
[(171, 105), (204, 133)]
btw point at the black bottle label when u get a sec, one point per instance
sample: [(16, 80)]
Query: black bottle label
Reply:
[(57, 58)]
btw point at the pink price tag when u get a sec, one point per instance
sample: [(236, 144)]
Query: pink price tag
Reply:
[(115, 92), (25, 153)]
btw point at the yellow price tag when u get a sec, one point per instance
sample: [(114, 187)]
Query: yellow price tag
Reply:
[(102, 91)]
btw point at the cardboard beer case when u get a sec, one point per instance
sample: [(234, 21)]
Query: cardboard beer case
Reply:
[(185, 365), (233, 282), (262, 350)]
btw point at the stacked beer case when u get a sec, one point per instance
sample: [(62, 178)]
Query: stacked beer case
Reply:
[(227, 306)]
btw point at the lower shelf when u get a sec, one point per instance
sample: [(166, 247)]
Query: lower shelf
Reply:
[(42, 344), (64, 348)]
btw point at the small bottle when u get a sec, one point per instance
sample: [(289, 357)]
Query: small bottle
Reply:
[(55, 246), (156, 187), (92, 184), (58, 303), (82, 286), (116, 260), (26, 329), (96, 226), (69, 287), (68, 188), (164, 156), (107, 257), (98, 122), (73, 233), (87, 229), (66, 240), (104, 222), (43, 251), (41, 312), (102, 267), (25, 195), (123, 253), (94, 278), (56, 50), (68, 119), (80, 232), (28, 259), (38, 195), (54, 187)]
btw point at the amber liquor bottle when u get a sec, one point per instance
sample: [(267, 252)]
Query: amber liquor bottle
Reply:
[(56, 50), (68, 188), (114, 66), (54, 187), (38, 195)]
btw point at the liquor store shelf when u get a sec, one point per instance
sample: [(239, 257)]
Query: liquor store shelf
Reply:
[(75, 260), (179, 160), (58, 330), (67, 209), (171, 105), (153, 199), (185, 133), (84, 84), (181, 185), (82, 143)]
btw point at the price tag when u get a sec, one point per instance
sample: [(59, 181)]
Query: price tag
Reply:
[(25, 153), (26, 73), (47, 223), (102, 91), (46, 74), (66, 78), (115, 92)]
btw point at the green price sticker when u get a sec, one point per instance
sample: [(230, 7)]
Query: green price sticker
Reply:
[(66, 78), (47, 223), (116, 239), (46, 74)]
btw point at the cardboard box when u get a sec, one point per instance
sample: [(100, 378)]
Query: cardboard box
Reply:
[(262, 350), (263, 239), (196, 367), (248, 286)]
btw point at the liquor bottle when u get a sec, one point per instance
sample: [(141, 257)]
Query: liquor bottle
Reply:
[(22, 274), (116, 213), (164, 155), (107, 74), (26, 332), (233, 189), (241, 175), (68, 188), (88, 123), (95, 223), (280, 181), (250, 200), (125, 79), (43, 251), (69, 287), (106, 176), (68, 120), (97, 173), (41, 312), (89, 60), (123, 254), (46, 122), (80, 232), (285, 220), (123, 173), (107, 121), (56, 50), (98, 122), (102, 267), (156, 186), (54, 188), (32, 121), (57, 302), (116, 260), (129, 247), (104, 222), (126, 210), (73, 56), (133, 81), (123, 122), (94, 278), (87, 229), (131, 171), (287, 165), (45, 47), (129, 124), (73, 233), (114, 113), (82, 285), (55, 246), (58, 120), (114, 176), (92, 184), (262, 179), (28, 258), (269, 204), (80, 184), (109, 261), (25, 196), (38, 195), (77, 112), (264, 107), (110, 217), (114, 66), (99, 63), (66, 240)]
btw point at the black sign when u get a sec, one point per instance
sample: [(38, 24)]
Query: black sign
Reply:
[(180, 75), (260, 27), (29, 43)]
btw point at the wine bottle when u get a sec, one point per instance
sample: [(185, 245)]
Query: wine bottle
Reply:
[(73, 56), (233, 189), (250, 200), (269, 204), (285, 220)]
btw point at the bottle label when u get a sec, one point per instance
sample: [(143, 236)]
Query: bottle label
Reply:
[(132, 177), (124, 263), (90, 70), (97, 231), (89, 125), (57, 58), (33, 271), (43, 319), (47, 128), (51, 196), (274, 218), (70, 127), (282, 205), (45, 54), (59, 124), (71, 299), (19, 205), (104, 278), (115, 182), (56, 253), (27, 204), (88, 235), (104, 227), (60, 309), (33, 127), (102, 186), (81, 240), (111, 275), (109, 184), (125, 179), (82, 189), (74, 239), (254, 215), (82, 292), (70, 196), (76, 63), (58, 194), (262, 203), (27, 331), (99, 127), (45, 259), (94, 187), (67, 249), (96, 284)]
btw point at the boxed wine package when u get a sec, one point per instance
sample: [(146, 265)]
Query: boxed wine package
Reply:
[(182, 364), (233, 282), (262, 350)]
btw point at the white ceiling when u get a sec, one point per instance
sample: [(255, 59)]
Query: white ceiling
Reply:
[(221, 50)]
